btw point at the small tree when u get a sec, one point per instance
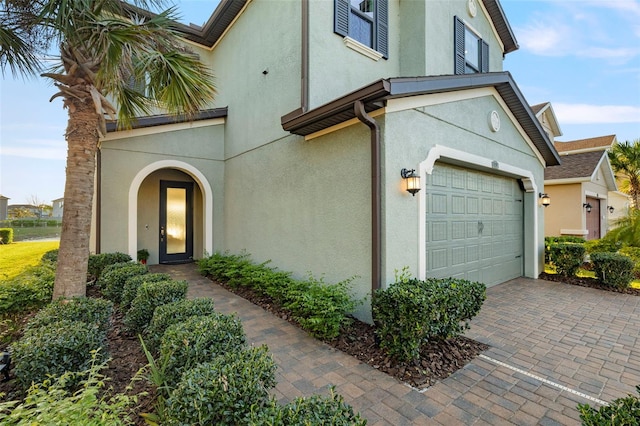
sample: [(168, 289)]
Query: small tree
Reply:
[(625, 160)]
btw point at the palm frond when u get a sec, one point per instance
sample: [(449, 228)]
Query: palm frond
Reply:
[(16, 53)]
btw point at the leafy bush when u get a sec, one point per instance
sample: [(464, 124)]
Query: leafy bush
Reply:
[(549, 241), (115, 276), (97, 263), (319, 308), (612, 269), (50, 256), (6, 235), (149, 297), (173, 313), (92, 311), (314, 410), (55, 348), (410, 312), (621, 411), (30, 289), (634, 254), (601, 246), (199, 339), (132, 284), (567, 258), (51, 403), (224, 390)]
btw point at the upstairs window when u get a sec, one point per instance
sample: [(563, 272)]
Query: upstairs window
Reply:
[(471, 52), (364, 21)]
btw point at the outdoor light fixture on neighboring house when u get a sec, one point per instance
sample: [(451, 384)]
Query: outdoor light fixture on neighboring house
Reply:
[(611, 209), (587, 206), (544, 199), (412, 180)]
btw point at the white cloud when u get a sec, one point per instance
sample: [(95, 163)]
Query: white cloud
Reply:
[(40, 149), (545, 39), (594, 114)]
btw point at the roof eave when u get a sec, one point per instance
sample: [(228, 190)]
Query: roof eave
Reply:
[(502, 26), (160, 120)]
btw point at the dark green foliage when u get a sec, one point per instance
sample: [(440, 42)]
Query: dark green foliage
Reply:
[(31, 289), (410, 312), (149, 297), (6, 235), (314, 410), (549, 241), (173, 313), (224, 390), (318, 307), (50, 256), (199, 339), (92, 311), (633, 253), (97, 263), (621, 411), (115, 276), (55, 348), (130, 289), (612, 269), (603, 245), (567, 258)]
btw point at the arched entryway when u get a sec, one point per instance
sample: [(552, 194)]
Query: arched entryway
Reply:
[(163, 197)]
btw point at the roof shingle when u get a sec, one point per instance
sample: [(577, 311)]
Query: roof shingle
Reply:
[(574, 166)]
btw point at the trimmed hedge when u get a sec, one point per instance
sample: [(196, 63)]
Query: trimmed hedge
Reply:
[(224, 390), (199, 339), (634, 254), (55, 348), (621, 411), (115, 276), (6, 235), (148, 298), (408, 313), (172, 313), (567, 258), (549, 241), (31, 289), (89, 310), (50, 256), (612, 269), (97, 263), (132, 284)]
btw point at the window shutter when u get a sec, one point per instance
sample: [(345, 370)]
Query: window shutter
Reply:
[(382, 27), (484, 58), (458, 40), (342, 8)]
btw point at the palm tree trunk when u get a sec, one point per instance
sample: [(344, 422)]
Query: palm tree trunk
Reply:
[(82, 144)]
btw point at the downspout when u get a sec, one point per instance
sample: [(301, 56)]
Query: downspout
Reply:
[(304, 90), (98, 197), (376, 189)]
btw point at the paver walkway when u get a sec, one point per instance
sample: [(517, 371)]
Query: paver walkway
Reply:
[(552, 346)]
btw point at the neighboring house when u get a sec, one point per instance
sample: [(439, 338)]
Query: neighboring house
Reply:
[(579, 189), (320, 106), (23, 210), (57, 208), (545, 115), (4, 207)]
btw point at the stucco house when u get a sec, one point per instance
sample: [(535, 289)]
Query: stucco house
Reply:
[(580, 189), (325, 111)]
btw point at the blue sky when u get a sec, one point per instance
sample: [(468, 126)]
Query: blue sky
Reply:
[(582, 56)]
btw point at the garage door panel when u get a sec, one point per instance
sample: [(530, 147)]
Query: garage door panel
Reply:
[(485, 241)]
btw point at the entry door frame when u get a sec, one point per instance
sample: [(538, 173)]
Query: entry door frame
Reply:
[(592, 219), (187, 256)]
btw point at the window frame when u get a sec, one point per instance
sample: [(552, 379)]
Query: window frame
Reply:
[(380, 34), (461, 63)]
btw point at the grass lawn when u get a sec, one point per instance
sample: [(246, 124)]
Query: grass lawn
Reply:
[(16, 257)]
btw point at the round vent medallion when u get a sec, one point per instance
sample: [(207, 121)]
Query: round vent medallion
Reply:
[(494, 121), (472, 8)]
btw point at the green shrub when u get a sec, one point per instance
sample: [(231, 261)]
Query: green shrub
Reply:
[(55, 348), (115, 276), (633, 253), (224, 390), (6, 235), (621, 411), (149, 297), (50, 403), (225, 267), (54, 223), (408, 313), (199, 339), (92, 311), (97, 263), (549, 241), (173, 313), (50, 256), (132, 284), (314, 410), (567, 258), (601, 246), (30, 289), (612, 269)]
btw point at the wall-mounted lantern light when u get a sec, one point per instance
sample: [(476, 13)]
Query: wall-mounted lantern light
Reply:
[(544, 199), (412, 180), (611, 209), (587, 206)]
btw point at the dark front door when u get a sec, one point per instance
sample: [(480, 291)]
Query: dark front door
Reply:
[(176, 222), (593, 219)]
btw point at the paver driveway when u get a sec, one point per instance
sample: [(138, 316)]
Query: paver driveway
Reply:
[(552, 346)]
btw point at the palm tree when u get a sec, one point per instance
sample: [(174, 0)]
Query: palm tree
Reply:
[(109, 50), (625, 160)]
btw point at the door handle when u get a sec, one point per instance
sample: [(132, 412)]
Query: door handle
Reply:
[(480, 227), (162, 233)]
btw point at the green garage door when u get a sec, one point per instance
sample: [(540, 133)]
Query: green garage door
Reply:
[(474, 225)]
